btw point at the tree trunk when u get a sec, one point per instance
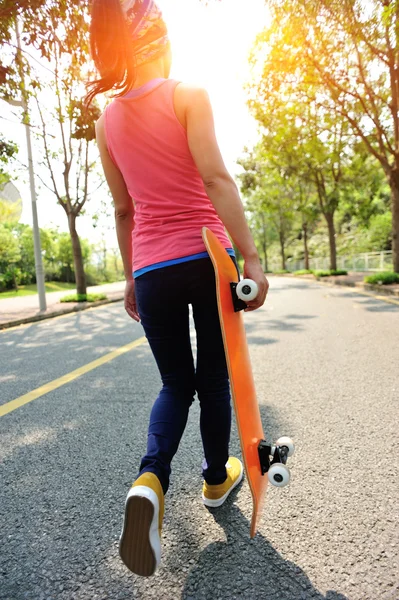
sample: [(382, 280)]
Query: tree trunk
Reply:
[(105, 262), (394, 183), (14, 280), (305, 245), (264, 242), (116, 263), (331, 235), (282, 245), (80, 276)]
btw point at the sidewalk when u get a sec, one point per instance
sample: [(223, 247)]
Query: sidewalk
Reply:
[(17, 311), (356, 280)]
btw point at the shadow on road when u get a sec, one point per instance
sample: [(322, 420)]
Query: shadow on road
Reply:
[(371, 304), (261, 324), (244, 568), (239, 567)]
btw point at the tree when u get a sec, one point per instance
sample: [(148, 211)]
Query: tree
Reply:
[(7, 151), (59, 30), (346, 54), (9, 212), (9, 257), (268, 191)]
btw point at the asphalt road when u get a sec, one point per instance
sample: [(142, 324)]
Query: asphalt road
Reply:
[(326, 366)]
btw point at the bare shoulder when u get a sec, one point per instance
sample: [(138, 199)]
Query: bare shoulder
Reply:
[(188, 97), (100, 125), (188, 93)]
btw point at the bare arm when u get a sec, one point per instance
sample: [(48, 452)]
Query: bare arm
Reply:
[(219, 185), (124, 215)]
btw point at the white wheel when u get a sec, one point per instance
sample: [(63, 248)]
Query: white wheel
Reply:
[(279, 475), (286, 441), (247, 290)]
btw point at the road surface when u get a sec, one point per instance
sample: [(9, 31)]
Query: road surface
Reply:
[(326, 366)]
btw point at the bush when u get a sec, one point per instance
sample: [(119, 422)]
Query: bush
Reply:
[(94, 276), (11, 279), (329, 273), (83, 298), (322, 273), (303, 272), (384, 278), (280, 272)]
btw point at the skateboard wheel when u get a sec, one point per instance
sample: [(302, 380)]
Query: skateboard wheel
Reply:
[(247, 290), (279, 475), (288, 443)]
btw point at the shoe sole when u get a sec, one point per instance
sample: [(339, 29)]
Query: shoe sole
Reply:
[(215, 503), (140, 545)]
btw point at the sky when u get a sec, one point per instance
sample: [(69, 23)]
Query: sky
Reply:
[(210, 46)]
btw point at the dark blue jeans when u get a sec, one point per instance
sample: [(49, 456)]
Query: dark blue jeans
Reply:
[(163, 298)]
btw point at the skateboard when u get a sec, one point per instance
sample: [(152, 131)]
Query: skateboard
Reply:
[(263, 462)]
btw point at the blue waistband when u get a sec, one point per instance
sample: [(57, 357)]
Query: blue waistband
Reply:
[(175, 261)]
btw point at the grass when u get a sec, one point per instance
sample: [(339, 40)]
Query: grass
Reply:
[(31, 290), (83, 298)]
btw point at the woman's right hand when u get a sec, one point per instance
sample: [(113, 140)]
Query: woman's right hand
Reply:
[(254, 270), (130, 301)]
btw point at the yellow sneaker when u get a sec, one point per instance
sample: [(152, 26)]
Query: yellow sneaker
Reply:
[(140, 541), (214, 495)]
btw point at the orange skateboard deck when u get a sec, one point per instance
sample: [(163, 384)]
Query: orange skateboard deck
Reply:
[(242, 385)]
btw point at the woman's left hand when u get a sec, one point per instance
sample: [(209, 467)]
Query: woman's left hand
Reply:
[(130, 301)]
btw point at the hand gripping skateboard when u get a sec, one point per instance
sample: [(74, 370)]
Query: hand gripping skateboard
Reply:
[(263, 462)]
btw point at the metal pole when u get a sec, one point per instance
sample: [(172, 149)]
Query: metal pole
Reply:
[(36, 232)]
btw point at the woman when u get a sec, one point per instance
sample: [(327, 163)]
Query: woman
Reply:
[(158, 147)]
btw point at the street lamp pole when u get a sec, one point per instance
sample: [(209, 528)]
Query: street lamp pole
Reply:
[(36, 232)]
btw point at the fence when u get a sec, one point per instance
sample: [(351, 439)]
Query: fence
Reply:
[(369, 261)]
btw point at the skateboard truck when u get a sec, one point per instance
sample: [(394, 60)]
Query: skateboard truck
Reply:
[(273, 460), (237, 302), (242, 292)]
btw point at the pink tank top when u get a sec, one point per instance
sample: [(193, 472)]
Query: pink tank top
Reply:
[(149, 146)]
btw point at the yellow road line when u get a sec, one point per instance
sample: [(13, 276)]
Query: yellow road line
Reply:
[(53, 385), (383, 298)]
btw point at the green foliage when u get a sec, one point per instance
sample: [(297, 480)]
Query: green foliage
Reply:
[(11, 278), (303, 272), (329, 273), (10, 212), (384, 278), (84, 120), (17, 260), (335, 61), (9, 249), (95, 276), (380, 231), (58, 31), (8, 150), (83, 298)]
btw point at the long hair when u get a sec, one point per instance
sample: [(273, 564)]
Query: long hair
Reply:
[(110, 44)]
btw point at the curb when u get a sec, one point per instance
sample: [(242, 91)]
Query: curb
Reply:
[(78, 307), (381, 289), (376, 289)]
